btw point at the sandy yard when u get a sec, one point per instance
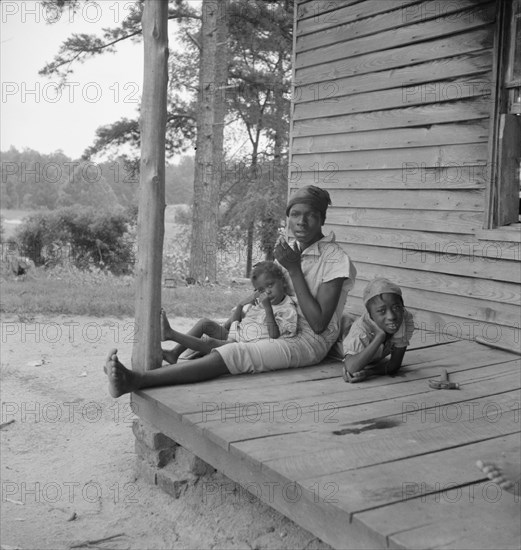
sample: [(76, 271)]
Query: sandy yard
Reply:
[(67, 455)]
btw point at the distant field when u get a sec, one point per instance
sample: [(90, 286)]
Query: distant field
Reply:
[(12, 219)]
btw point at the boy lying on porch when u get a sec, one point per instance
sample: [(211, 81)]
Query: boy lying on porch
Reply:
[(384, 329), (321, 274)]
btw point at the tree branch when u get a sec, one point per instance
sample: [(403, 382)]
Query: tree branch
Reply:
[(193, 40)]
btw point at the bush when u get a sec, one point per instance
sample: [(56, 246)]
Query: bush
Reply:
[(82, 236), (183, 215)]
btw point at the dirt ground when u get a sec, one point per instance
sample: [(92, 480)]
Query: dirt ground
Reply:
[(67, 455)]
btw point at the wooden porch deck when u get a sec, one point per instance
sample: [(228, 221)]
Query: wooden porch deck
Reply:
[(387, 463)]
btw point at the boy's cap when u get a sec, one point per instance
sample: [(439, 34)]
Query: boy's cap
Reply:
[(380, 286)]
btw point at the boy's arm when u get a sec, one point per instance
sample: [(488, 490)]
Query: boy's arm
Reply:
[(391, 365), (358, 361)]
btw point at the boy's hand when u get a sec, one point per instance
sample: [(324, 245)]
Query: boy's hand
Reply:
[(285, 255), (379, 333)]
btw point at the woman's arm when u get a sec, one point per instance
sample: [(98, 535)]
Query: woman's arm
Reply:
[(318, 311)]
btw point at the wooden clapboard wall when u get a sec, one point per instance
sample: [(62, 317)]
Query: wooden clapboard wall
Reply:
[(391, 113)]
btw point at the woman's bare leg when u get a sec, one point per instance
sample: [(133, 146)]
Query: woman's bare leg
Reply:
[(203, 326), (123, 380)]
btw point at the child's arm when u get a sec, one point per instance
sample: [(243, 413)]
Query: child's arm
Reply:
[(356, 362), (400, 341), (237, 312), (273, 328), (391, 365)]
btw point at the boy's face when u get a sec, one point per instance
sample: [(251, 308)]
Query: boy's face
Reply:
[(272, 286), (386, 311)]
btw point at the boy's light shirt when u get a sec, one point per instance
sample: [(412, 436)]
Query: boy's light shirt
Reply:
[(363, 331)]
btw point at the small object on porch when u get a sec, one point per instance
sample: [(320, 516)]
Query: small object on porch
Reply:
[(443, 383)]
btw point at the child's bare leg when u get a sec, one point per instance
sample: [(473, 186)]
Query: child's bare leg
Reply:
[(195, 343), (203, 326), (166, 329), (123, 380), (506, 474)]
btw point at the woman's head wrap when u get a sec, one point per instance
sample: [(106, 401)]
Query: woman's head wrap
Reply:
[(380, 286), (318, 198)]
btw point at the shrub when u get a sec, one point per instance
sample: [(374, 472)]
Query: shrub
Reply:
[(183, 215), (82, 236)]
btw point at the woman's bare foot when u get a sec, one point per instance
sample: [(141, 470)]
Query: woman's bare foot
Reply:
[(121, 379), (507, 476), (166, 330)]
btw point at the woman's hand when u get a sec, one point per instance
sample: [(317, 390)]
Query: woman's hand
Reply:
[(285, 255)]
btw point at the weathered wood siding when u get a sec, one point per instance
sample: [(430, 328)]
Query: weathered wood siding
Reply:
[(391, 114)]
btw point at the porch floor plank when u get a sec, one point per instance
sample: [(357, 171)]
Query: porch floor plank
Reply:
[(387, 463)]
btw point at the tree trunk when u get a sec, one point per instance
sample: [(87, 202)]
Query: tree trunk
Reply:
[(278, 183), (251, 226), (213, 74), (146, 353)]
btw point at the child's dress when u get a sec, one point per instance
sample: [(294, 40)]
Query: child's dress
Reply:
[(363, 330), (254, 327)]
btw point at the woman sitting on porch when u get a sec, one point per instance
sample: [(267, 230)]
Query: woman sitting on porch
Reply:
[(321, 274)]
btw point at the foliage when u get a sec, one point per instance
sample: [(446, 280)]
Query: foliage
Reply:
[(78, 48), (183, 216), (31, 180), (179, 181), (260, 75), (85, 237), (176, 256), (230, 256), (256, 93)]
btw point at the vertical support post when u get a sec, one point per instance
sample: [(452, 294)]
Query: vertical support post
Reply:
[(146, 352)]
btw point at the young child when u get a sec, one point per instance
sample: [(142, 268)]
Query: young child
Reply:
[(384, 329), (267, 313)]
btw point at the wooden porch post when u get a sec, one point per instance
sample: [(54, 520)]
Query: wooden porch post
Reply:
[(146, 352)]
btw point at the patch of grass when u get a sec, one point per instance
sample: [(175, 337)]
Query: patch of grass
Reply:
[(69, 291)]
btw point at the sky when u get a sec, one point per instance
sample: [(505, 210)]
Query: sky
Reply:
[(33, 112)]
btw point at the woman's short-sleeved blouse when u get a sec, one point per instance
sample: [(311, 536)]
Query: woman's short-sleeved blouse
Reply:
[(324, 261)]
